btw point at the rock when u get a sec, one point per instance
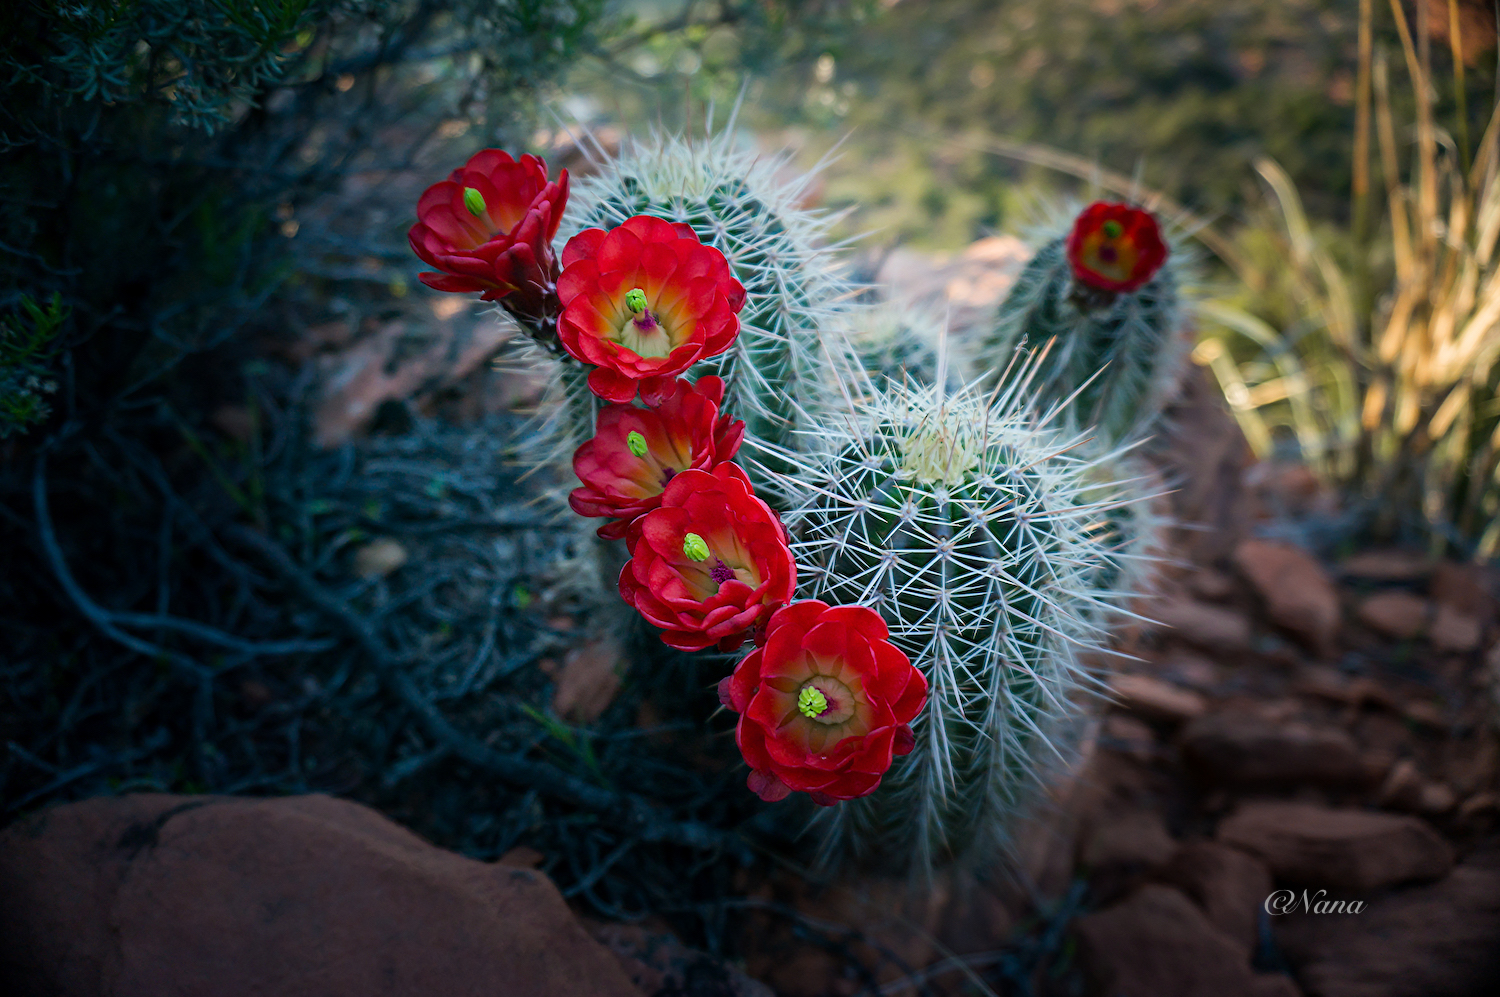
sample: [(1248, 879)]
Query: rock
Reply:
[(1230, 885), (1154, 699), (1239, 748), (1321, 846), (379, 558), (1136, 840), (1425, 941), (1463, 587), (1388, 566), (1402, 789), (661, 966), (1128, 736), (1192, 670), (1213, 627), (588, 680), (1399, 615), (1297, 592), (1157, 942), (225, 896), (1455, 631), (1214, 586), (1199, 448)]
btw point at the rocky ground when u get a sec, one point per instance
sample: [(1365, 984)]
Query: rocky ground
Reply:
[(1294, 722)]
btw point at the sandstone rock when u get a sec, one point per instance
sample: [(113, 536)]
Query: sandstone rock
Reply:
[(1133, 840), (379, 558), (1465, 588), (661, 966), (1128, 736), (1337, 848), (223, 896), (1157, 943), (588, 680), (1154, 699), (1388, 566), (1239, 748), (1213, 627), (1229, 884), (1297, 592), (1215, 586), (1425, 941), (1399, 615), (1455, 631)]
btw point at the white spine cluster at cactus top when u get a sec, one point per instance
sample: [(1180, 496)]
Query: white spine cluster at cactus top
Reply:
[(976, 533)]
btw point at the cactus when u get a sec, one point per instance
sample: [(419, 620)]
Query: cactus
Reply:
[(779, 373), (976, 533), (1135, 527), (1123, 354), (905, 343)]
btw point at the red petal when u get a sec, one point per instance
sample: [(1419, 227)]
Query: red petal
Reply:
[(609, 385), (583, 246), (767, 786)]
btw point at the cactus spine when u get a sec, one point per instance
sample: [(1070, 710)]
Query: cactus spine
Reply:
[(1122, 354), (965, 524), (905, 343), (790, 349)]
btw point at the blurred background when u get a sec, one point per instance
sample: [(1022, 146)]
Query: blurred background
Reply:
[(263, 509)]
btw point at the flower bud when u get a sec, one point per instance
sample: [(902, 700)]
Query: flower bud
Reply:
[(635, 300), (637, 443), (474, 201), (694, 547)]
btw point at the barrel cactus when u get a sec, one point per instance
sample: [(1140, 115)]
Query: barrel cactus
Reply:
[(906, 343), (1116, 347), (977, 535), (791, 350)]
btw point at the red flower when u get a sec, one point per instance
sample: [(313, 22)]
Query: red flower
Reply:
[(489, 227), (1114, 247), (637, 451), (710, 563), (644, 300), (825, 704)]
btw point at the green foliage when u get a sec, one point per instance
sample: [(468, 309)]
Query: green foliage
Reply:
[(972, 530), (1117, 357), (28, 343)]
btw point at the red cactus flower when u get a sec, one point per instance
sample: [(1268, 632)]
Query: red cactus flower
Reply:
[(636, 452), (489, 227), (825, 704), (1114, 247), (643, 301), (710, 563)]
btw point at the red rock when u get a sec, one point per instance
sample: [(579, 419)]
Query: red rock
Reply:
[(1229, 884), (1154, 699), (1157, 942), (1213, 627), (1402, 789), (1463, 587), (1424, 941), (225, 896), (589, 679), (1297, 592), (1388, 566), (661, 966), (1455, 631), (1234, 747), (1400, 615), (1320, 846), (1215, 586), (1129, 737), (1133, 840)]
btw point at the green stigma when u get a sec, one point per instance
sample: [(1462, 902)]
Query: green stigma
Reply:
[(637, 443), (474, 201), (635, 300), (694, 547), (811, 702), (1113, 229)]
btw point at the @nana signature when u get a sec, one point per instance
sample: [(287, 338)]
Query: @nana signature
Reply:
[(1289, 902)]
